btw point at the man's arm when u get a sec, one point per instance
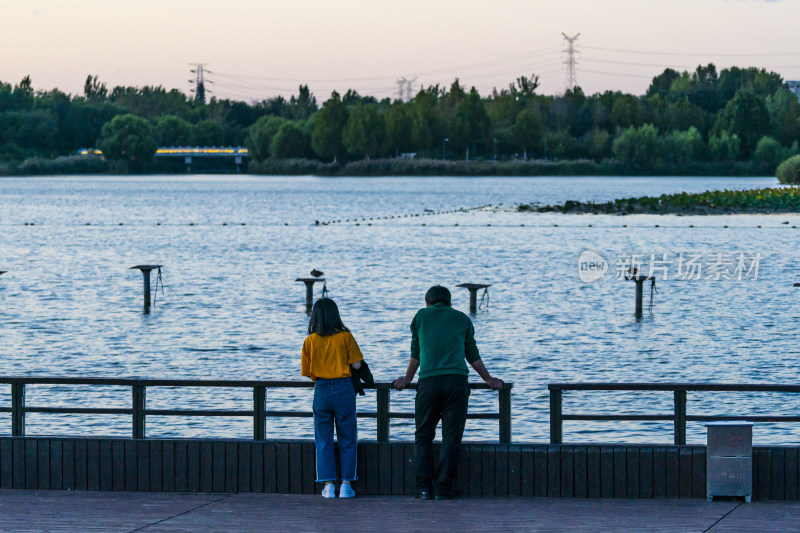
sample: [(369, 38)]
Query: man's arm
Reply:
[(494, 383), (402, 383)]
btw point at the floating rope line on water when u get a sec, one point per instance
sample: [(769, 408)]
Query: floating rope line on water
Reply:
[(653, 290), (486, 296)]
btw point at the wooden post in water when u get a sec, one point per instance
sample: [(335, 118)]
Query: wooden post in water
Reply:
[(310, 290), (639, 280), (146, 275), (473, 294)]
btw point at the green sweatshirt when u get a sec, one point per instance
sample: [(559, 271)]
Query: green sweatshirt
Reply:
[(441, 339)]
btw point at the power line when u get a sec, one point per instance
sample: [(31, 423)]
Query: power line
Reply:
[(633, 64), (690, 54)]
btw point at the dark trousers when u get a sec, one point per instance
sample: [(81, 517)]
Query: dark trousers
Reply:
[(442, 398)]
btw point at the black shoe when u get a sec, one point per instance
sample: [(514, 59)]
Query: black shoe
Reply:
[(423, 495)]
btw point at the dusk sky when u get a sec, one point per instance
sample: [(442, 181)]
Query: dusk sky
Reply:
[(258, 49)]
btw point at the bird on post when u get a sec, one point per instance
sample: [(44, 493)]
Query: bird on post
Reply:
[(317, 273)]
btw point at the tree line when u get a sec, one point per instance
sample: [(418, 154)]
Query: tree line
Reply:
[(738, 114)]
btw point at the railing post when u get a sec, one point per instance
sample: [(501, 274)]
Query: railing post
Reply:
[(555, 417), (505, 416), (259, 413), (17, 410), (680, 417), (383, 415), (138, 411)]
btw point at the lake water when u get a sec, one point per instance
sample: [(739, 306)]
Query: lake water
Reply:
[(233, 245)]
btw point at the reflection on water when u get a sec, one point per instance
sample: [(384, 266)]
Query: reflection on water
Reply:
[(232, 310)]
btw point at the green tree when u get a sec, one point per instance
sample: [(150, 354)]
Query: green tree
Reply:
[(261, 135), (745, 115), (769, 151), (289, 142), (93, 89), (365, 132), (627, 111), (208, 133), (597, 144), (724, 147), (303, 105), (639, 147), (662, 83), (526, 134), (471, 123), (681, 147), (172, 130), (426, 122), (326, 140), (784, 112), (129, 138), (789, 170), (398, 128)]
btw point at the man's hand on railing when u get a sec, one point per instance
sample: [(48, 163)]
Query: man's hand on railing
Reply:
[(401, 383), (494, 383)]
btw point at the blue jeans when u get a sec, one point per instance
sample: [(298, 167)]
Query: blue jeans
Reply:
[(335, 403)]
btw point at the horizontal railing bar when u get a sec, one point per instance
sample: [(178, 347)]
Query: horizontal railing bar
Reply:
[(719, 387), (753, 418), (214, 412), (128, 382), (198, 412), (618, 417), (80, 410)]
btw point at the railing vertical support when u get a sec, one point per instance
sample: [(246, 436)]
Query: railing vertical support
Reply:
[(138, 398), (259, 413), (556, 422), (383, 415), (680, 417), (17, 410), (505, 416)]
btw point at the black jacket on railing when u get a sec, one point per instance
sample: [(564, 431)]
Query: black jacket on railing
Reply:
[(361, 377)]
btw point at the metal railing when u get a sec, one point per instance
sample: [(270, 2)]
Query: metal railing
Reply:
[(139, 411), (679, 417)]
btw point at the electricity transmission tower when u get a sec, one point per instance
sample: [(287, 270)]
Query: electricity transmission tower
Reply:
[(199, 82), (571, 62), (401, 83), (410, 89)]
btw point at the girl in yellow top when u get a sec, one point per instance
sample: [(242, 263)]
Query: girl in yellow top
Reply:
[(328, 353)]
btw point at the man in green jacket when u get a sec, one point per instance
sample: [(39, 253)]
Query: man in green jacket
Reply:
[(442, 342)]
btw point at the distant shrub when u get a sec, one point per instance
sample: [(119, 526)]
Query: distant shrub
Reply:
[(789, 170), (75, 164)]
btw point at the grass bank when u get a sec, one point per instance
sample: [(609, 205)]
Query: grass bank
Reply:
[(437, 167), (753, 201)]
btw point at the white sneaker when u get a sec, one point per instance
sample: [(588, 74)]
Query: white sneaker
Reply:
[(346, 491), (329, 491)]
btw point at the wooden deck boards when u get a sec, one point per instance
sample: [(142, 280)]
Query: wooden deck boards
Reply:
[(36, 510)]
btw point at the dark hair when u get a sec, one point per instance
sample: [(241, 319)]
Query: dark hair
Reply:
[(437, 295), (325, 319)]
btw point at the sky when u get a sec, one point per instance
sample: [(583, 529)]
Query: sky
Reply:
[(260, 49)]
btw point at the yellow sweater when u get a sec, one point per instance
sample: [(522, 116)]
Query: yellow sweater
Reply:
[(329, 357)]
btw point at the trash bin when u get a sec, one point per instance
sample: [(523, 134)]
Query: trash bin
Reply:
[(729, 456)]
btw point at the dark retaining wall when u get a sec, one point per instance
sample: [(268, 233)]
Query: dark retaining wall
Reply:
[(190, 465)]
